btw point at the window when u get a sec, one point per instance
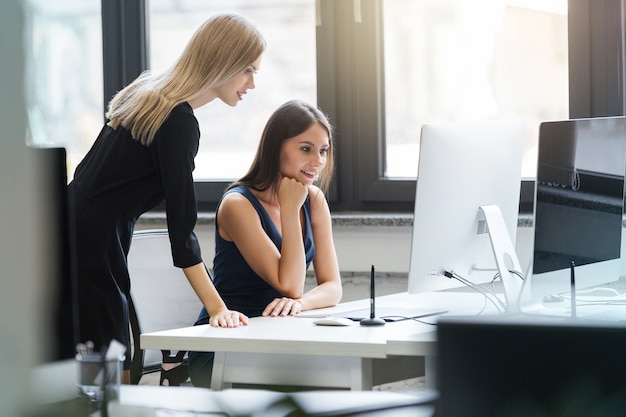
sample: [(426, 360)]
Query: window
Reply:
[(64, 75), (379, 68), (230, 135), (455, 60)]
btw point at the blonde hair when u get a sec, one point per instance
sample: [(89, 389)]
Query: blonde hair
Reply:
[(219, 49)]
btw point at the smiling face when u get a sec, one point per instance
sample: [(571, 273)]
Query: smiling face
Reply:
[(304, 156), (232, 91)]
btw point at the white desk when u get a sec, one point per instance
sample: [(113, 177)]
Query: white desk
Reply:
[(54, 393), (185, 401), (294, 351)]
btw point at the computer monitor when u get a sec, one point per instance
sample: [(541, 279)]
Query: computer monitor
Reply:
[(579, 202), (463, 166), (62, 300), (513, 366)]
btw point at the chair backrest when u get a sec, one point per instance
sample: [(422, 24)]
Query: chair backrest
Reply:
[(163, 298)]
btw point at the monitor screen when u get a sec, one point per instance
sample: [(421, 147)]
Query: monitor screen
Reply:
[(61, 275), (493, 367), (578, 204), (463, 166)]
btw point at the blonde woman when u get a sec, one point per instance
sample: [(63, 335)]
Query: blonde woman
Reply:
[(273, 223), (143, 156)]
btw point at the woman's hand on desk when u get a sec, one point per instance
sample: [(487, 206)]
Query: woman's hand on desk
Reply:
[(228, 318), (282, 307)]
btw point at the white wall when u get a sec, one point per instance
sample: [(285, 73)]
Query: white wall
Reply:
[(358, 247), (386, 246)]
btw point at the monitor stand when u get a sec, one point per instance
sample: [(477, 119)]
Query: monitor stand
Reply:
[(505, 256)]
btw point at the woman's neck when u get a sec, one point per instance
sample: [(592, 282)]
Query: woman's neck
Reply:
[(267, 197)]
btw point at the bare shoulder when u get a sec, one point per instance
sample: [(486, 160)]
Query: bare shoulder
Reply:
[(315, 192), (316, 196), (236, 215), (233, 196), (319, 205), (234, 205)]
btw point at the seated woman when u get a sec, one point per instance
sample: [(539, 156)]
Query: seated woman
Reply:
[(272, 223)]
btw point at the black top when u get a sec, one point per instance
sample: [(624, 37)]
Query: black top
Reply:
[(128, 178), (118, 180), (240, 287)]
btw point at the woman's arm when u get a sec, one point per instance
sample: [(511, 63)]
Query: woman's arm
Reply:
[(328, 291), (239, 222), (220, 315)]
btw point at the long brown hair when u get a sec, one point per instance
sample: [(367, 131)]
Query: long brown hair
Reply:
[(289, 120), (221, 48)]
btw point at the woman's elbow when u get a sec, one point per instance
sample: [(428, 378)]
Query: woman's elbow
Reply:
[(294, 293), (337, 293), (333, 291)]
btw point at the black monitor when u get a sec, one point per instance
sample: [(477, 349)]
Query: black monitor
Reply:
[(579, 204), (497, 367), (61, 278)]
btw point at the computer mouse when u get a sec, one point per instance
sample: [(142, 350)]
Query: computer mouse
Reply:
[(333, 321)]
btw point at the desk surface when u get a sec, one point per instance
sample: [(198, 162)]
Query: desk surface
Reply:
[(294, 351), (281, 335), (298, 335)]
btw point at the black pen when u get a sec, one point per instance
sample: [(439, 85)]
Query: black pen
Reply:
[(372, 295), (572, 290), (372, 321)]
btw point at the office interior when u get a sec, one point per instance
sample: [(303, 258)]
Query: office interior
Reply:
[(373, 215)]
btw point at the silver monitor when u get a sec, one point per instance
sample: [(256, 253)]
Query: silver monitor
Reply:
[(463, 167)]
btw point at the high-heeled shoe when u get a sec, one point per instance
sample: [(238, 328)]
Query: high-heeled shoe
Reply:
[(175, 376)]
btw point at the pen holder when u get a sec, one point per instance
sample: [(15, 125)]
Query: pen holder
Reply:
[(99, 379)]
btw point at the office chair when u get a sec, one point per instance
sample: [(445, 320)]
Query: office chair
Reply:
[(162, 299)]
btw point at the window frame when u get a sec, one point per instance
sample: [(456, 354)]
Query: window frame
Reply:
[(350, 62), (124, 44)]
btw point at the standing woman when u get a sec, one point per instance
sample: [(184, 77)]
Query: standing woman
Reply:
[(143, 156), (273, 223)]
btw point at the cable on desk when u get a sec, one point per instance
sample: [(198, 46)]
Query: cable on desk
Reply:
[(422, 321), (403, 318), (617, 299), (601, 303), (500, 306), (596, 289), (520, 275)]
